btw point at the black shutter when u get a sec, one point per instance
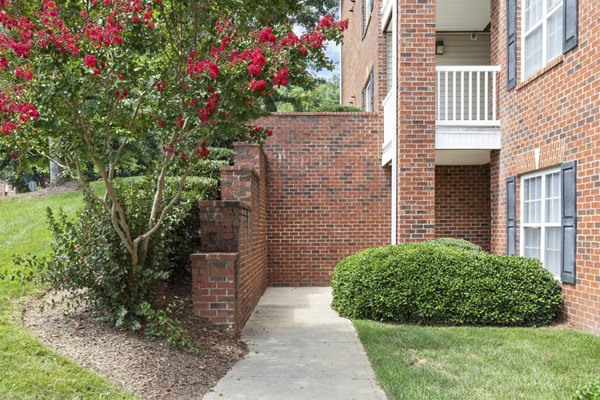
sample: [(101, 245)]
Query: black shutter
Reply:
[(570, 23), (511, 44), (568, 174), (511, 215)]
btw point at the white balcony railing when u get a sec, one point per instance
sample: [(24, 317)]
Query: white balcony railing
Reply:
[(389, 126), (466, 95)]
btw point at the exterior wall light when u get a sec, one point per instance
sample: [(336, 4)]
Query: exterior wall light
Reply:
[(439, 47)]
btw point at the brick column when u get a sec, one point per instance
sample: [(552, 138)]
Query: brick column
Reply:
[(416, 120), (230, 274), (214, 287)]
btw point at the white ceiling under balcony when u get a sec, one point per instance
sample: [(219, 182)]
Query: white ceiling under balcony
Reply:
[(462, 15)]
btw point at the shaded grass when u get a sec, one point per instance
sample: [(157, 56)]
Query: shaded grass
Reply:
[(416, 362), (28, 369)]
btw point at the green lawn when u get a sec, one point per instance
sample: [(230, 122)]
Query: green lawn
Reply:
[(28, 369), (415, 362)]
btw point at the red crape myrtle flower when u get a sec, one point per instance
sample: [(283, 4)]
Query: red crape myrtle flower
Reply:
[(217, 90), (90, 61)]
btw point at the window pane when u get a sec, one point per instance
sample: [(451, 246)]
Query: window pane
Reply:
[(533, 188), (533, 200), (550, 4), (553, 198), (553, 211), (552, 255), (532, 242), (533, 13), (555, 28), (533, 52), (553, 185), (368, 95)]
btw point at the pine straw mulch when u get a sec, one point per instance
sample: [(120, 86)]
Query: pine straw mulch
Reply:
[(149, 368)]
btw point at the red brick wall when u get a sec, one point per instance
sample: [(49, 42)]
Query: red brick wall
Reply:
[(462, 203), (416, 120), (370, 46), (230, 276), (252, 273), (556, 111), (328, 196)]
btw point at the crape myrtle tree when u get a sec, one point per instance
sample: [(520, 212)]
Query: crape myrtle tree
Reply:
[(94, 76)]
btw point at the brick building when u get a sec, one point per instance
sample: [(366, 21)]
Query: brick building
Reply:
[(481, 121), (491, 128)]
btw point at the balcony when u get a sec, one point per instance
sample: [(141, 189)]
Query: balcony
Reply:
[(466, 108)]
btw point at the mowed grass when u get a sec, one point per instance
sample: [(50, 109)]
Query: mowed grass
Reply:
[(416, 362), (28, 369)]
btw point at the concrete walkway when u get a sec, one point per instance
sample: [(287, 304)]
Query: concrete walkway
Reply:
[(299, 349)]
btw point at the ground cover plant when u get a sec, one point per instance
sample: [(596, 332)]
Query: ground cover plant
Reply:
[(458, 363), (443, 283)]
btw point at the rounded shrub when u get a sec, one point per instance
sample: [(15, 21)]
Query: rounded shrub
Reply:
[(455, 244), (430, 284)]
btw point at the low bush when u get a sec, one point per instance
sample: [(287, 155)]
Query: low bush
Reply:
[(590, 392), (456, 244), (89, 260), (428, 283)]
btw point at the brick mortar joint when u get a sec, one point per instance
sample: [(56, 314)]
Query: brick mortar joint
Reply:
[(235, 168), (225, 204)]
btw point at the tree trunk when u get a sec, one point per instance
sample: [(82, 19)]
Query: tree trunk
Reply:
[(55, 169)]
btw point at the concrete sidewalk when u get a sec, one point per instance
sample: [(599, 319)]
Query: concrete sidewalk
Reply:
[(299, 349)]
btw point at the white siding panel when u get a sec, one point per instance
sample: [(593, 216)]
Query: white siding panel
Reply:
[(459, 49)]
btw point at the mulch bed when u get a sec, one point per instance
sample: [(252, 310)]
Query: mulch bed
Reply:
[(146, 367)]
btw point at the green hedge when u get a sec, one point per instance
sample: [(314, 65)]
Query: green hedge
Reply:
[(590, 392), (456, 244), (431, 284)]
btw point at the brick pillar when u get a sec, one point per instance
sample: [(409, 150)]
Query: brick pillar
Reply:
[(214, 287), (230, 275), (416, 120), (252, 277)]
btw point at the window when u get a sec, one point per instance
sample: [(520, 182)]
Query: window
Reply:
[(366, 9), (541, 218), (389, 60), (369, 93), (542, 22)]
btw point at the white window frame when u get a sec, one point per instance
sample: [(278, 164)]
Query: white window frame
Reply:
[(544, 23), (542, 225), (389, 60), (368, 102)]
